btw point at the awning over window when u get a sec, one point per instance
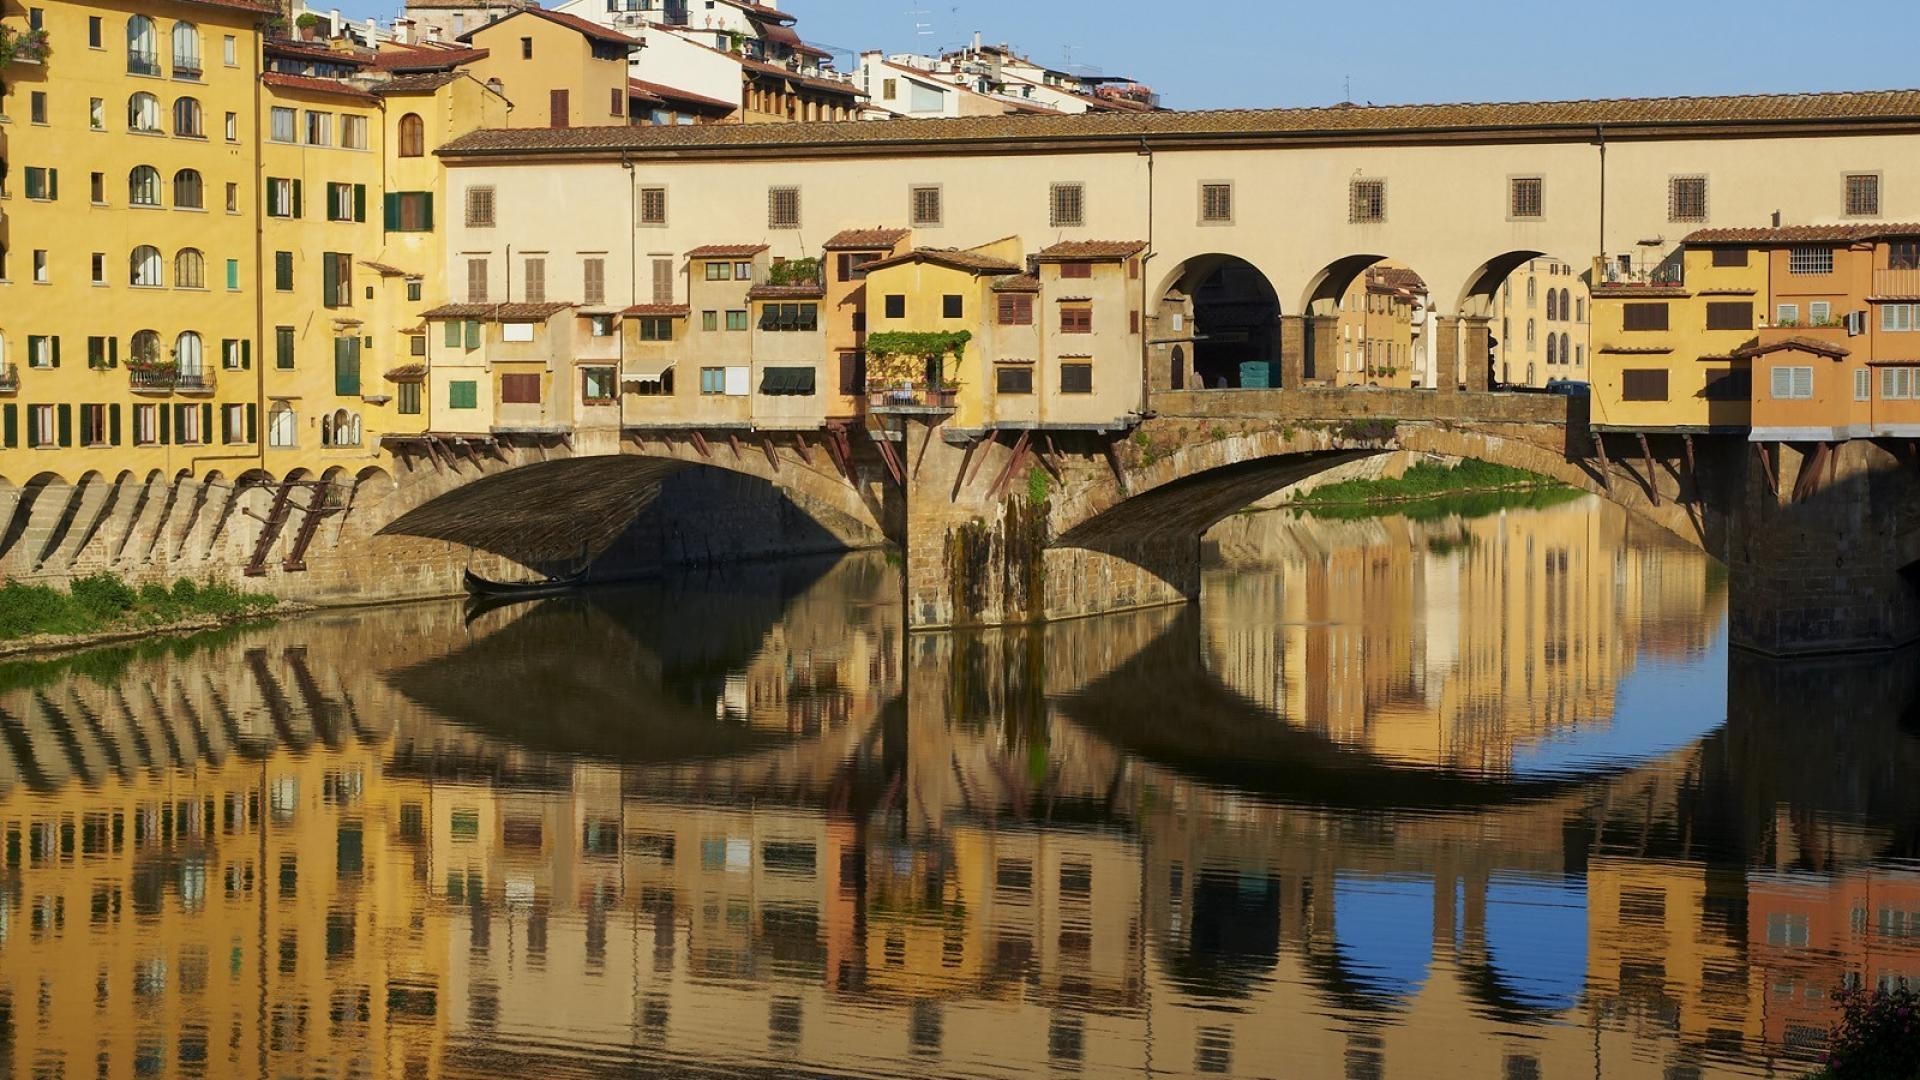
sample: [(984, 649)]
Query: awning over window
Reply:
[(647, 372), (779, 381)]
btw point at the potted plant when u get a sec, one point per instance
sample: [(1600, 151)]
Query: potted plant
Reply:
[(28, 45), (309, 25)]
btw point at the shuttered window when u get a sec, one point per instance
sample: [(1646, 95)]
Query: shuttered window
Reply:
[(1076, 270), (1899, 383), (1729, 256), (1076, 319), (1792, 383), (536, 281), (409, 211), (346, 367), (663, 281), (593, 281), (1016, 309), (520, 389), (463, 394), (476, 281), (1729, 315), (853, 373), (1644, 316), (1076, 378), (283, 348), (1643, 385), (1013, 379)]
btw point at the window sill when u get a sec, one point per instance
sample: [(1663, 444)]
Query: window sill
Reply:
[(191, 209), (143, 206), (189, 137), (99, 204), (101, 285), (190, 288), (152, 133)]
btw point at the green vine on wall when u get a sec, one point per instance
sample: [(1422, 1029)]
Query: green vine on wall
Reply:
[(899, 355), (795, 272)]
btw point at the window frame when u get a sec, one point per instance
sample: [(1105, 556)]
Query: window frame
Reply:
[(1869, 181), (1678, 197), (919, 220), (1067, 204), (1523, 205), (1212, 211), (1367, 200)]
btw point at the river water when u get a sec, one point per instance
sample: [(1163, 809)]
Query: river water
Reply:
[(1429, 796)]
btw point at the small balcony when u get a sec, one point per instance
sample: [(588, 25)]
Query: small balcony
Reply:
[(914, 398), (1897, 284), (27, 46), (186, 67), (167, 379), (9, 379), (142, 63)]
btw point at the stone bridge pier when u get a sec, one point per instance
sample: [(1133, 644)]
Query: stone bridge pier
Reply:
[(1822, 545)]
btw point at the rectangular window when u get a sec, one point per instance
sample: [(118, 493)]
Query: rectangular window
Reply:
[(520, 389), (283, 271), (1687, 198), (1016, 309), (1216, 204), (1645, 384), (1076, 378), (1076, 319), (953, 306), (146, 425), (281, 125), (280, 197), (283, 348), (40, 267), (1792, 383), (1067, 206), (1903, 255), (1899, 383), (719, 271), (340, 202), (653, 206), (743, 271), (336, 279), (37, 107), (43, 351), (853, 373), (42, 183), (713, 380), (1786, 315), (233, 198), (1366, 201), (94, 35), (319, 128), (97, 114), (1013, 379), (1729, 256), (736, 320), (656, 328), (1076, 270), (1819, 313), (1862, 384), (1644, 316), (925, 202), (233, 424), (598, 385), (783, 208), (93, 425), (1863, 194), (788, 382), (230, 51), (346, 367), (476, 281), (102, 352), (230, 354), (187, 429), (463, 394), (1524, 196), (1897, 317), (710, 321), (787, 317), (233, 127), (406, 397), (409, 211), (353, 132), (1730, 315), (43, 426), (1810, 260), (534, 280), (853, 266), (413, 289), (593, 280), (480, 208), (895, 306)]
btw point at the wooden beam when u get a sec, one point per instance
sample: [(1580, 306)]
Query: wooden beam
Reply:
[(922, 455), (991, 440), (1653, 479), (1809, 483), (1606, 467), (733, 440), (1046, 456), (833, 451), (1766, 469), (892, 461), (700, 444), (1113, 462), (800, 445), (1693, 470), (766, 444), (1006, 473), (960, 474)]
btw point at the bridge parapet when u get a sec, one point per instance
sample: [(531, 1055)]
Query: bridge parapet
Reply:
[(1323, 404)]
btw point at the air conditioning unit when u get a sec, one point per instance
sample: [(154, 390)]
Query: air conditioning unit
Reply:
[(1856, 323)]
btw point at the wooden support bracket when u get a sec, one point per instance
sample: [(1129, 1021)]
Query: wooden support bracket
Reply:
[(1006, 473), (800, 445), (960, 474), (700, 444), (734, 441), (766, 444), (1653, 479), (1047, 454), (1766, 469), (1693, 471), (1606, 467), (892, 460), (1120, 474)]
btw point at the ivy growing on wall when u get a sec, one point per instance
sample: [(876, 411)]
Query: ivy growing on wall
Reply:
[(901, 355)]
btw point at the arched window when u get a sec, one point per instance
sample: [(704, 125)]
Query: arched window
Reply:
[(1553, 305), (1566, 352), (186, 118), (413, 136), (1529, 331), (145, 347), (143, 267), (188, 191), (1553, 349), (189, 269), (281, 427), (1566, 304), (186, 50), (143, 47), (187, 357), (340, 429), (143, 186), (143, 112), (1533, 291)]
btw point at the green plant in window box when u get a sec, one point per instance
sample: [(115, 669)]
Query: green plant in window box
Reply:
[(795, 272), (28, 45)]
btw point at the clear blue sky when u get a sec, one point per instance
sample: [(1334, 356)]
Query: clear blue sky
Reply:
[(1288, 52)]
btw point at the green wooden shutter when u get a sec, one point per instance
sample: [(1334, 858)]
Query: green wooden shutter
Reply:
[(166, 425), (299, 197), (113, 424), (9, 425), (206, 422), (453, 335), (274, 209), (472, 330), (113, 352), (246, 353), (359, 202), (56, 350), (329, 280), (426, 211), (346, 367), (66, 424), (390, 211), (53, 183), (252, 416)]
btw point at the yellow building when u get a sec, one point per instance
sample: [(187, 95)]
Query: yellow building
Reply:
[(559, 70), (942, 291), (128, 268), (1665, 352), (1540, 325), (1380, 318)]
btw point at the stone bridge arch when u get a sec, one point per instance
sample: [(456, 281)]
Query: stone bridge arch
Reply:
[(1211, 311)]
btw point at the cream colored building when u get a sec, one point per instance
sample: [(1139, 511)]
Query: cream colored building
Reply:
[(1541, 326)]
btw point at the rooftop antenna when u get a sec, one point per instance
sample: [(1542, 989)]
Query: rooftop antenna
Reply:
[(1346, 88), (920, 29)]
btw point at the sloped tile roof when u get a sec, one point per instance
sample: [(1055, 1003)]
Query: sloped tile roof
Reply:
[(406, 373), (726, 251), (312, 85), (1083, 250), (658, 310), (301, 50), (1017, 283), (1800, 234), (787, 292), (866, 239), (1877, 106), (1802, 343), (425, 82), (970, 261), (663, 93), (417, 58), (560, 18), (383, 269), (497, 312)]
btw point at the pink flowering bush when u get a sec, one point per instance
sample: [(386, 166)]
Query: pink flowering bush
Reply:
[(1878, 1037)]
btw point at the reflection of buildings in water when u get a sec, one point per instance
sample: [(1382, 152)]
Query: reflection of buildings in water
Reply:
[(1812, 935), (1458, 642)]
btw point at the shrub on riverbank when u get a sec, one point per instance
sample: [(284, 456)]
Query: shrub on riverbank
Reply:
[(104, 602), (1877, 1038), (1424, 480)]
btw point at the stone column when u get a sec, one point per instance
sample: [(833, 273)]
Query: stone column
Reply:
[(1446, 354), (1474, 349), (1293, 351), (1325, 353)]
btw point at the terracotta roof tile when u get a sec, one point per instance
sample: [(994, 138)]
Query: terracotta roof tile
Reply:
[(762, 11), (560, 18), (1802, 343), (413, 58), (664, 93), (831, 86), (312, 85), (970, 261), (726, 251), (658, 310), (1879, 106), (407, 373), (424, 82), (496, 312), (1083, 250), (866, 239), (1017, 283), (236, 5), (1800, 234), (383, 269), (321, 53), (787, 292)]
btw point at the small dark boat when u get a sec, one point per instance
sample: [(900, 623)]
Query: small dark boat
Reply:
[(522, 590)]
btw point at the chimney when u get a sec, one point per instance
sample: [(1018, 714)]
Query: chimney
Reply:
[(433, 32), (976, 42), (403, 31), (334, 25)]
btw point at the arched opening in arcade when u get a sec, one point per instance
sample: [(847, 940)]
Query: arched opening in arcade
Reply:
[(1217, 327), (1538, 309), (1371, 322)]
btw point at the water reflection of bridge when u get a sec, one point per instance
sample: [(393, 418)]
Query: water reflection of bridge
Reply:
[(990, 867)]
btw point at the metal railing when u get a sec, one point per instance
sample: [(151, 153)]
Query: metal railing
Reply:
[(9, 379), (910, 397)]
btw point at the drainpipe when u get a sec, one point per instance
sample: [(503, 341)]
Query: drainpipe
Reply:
[(259, 259), (633, 230), (1600, 136), (1146, 257)]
